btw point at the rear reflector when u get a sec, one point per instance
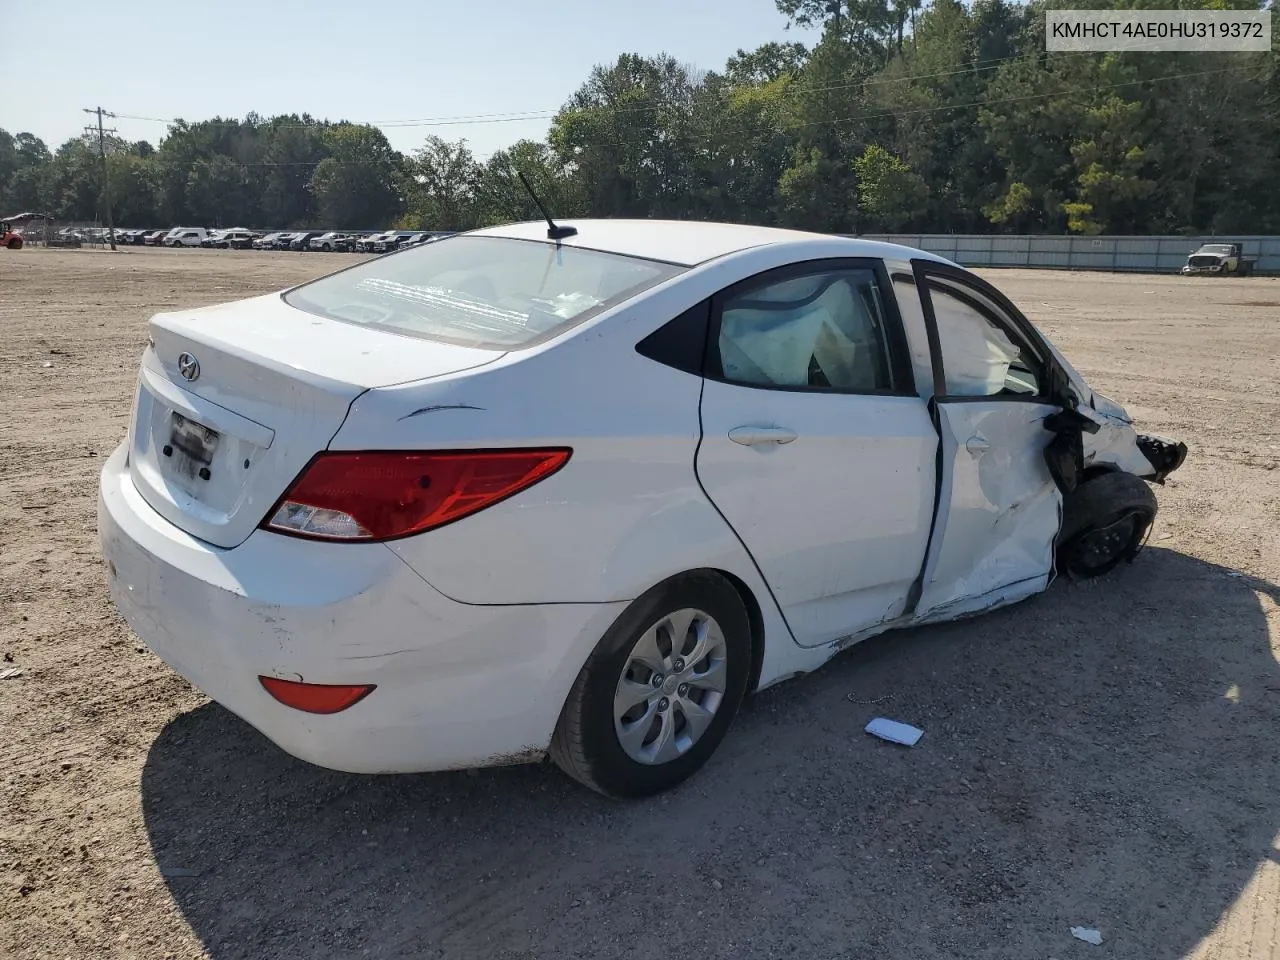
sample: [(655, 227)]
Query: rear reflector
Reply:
[(316, 697), (380, 496)]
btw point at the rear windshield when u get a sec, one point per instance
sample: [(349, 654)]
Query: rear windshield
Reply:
[(481, 291)]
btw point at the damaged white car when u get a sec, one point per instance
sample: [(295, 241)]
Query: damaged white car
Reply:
[(579, 490)]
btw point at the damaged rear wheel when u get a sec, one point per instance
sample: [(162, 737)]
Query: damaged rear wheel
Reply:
[(1104, 522)]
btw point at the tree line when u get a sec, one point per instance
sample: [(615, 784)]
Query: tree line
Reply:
[(902, 116)]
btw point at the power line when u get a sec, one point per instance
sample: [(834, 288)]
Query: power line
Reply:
[(893, 114), (547, 113), (1034, 96), (106, 180)]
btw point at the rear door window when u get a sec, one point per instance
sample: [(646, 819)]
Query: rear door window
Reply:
[(820, 327)]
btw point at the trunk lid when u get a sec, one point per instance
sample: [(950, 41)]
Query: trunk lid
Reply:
[(214, 443)]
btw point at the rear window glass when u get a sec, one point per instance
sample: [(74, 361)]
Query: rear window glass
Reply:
[(489, 292)]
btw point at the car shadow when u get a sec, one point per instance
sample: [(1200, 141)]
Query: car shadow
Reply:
[(1103, 756)]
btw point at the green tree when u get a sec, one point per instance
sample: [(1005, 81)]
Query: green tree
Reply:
[(891, 195), (134, 189), (24, 165), (501, 197), (73, 187), (442, 187), (805, 196), (1013, 209), (360, 183), (217, 192), (765, 64), (293, 147), (627, 135)]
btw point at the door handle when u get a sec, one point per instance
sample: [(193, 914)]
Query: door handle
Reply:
[(759, 436), (977, 444)]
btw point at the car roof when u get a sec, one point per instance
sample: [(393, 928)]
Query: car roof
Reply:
[(686, 242)]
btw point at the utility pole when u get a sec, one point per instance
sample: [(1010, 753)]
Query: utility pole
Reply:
[(106, 180)]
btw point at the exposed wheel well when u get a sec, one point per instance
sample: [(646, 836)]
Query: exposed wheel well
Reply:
[(756, 619), (1096, 471)]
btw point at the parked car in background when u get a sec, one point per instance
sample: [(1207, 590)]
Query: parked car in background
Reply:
[(1219, 258), (138, 237), (426, 237), (237, 239), (579, 491), (66, 237), (267, 241), (331, 241), (366, 244), (185, 236), (392, 241), (155, 238), (212, 238), (302, 241)]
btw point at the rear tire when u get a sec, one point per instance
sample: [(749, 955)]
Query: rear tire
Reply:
[(671, 733), (1104, 522), (15, 243)]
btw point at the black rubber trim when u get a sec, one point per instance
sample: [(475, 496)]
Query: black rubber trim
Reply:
[(917, 586)]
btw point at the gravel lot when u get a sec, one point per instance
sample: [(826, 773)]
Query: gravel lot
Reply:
[(1104, 755)]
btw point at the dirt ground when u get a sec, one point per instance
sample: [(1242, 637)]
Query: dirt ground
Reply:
[(1104, 755)]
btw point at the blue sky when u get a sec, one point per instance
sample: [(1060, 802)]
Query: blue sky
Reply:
[(376, 60)]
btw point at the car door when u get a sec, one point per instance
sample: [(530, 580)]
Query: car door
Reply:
[(815, 447), (998, 508)]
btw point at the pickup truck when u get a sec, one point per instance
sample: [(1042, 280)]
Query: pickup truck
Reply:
[(333, 240), (1219, 258)]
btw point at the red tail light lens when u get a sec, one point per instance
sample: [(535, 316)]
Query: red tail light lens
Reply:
[(380, 496), (316, 697)]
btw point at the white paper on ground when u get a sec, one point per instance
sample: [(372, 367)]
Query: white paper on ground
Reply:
[(1087, 934), (894, 732)]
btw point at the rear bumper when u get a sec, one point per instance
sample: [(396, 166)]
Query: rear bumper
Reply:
[(458, 685)]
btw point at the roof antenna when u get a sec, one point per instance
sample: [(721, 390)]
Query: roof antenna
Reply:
[(554, 231)]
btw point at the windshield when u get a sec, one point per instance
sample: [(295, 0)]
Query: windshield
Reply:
[(481, 291), (1215, 248)]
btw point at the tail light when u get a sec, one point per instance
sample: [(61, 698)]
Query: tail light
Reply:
[(380, 496), (316, 697)]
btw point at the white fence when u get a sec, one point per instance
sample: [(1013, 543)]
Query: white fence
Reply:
[(1137, 254)]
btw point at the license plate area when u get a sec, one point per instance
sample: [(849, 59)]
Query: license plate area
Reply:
[(192, 444)]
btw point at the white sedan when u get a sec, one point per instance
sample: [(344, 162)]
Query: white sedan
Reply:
[(578, 491)]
